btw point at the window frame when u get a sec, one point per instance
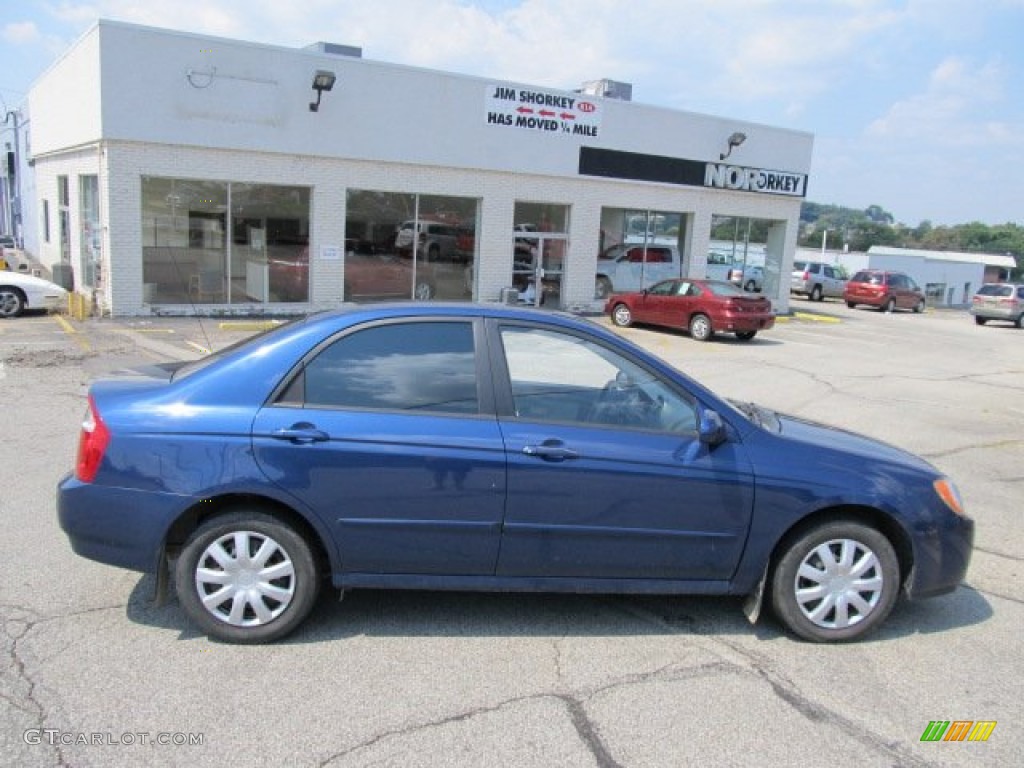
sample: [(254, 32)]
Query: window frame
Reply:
[(505, 402), (284, 394)]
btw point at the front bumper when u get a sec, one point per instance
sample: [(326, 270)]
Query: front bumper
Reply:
[(942, 553)]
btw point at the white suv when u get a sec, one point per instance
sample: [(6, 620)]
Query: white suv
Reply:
[(816, 280), (438, 241)]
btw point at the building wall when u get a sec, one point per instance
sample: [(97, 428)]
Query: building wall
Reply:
[(125, 163), (176, 105)]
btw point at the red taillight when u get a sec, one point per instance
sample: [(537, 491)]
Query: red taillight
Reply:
[(92, 444), (807, 276)]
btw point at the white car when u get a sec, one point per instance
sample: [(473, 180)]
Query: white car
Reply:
[(20, 291)]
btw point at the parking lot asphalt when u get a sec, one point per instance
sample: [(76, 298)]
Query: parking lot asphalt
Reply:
[(93, 673)]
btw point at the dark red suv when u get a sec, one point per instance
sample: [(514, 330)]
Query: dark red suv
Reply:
[(885, 290)]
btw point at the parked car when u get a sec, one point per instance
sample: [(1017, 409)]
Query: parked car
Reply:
[(750, 277), (381, 277), (484, 447), (20, 291), (702, 307), (885, 290), (817, 280), (999, 301), (437, 241)]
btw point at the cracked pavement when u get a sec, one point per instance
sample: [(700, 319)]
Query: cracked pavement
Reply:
[(452, 679)]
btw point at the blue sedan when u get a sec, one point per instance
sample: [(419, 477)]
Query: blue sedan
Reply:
[(476, 447)]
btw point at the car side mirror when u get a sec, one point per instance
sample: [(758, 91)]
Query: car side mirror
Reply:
[(712, 428)]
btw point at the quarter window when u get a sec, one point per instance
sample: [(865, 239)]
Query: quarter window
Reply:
[(422, 367)]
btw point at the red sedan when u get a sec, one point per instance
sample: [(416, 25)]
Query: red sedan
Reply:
[(703, 307)]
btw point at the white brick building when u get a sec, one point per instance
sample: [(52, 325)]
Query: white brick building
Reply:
[(178, 173)]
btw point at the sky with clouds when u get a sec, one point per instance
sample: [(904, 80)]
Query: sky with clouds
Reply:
[(915, 105)]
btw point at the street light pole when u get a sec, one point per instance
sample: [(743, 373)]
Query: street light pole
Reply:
[(14, 193)]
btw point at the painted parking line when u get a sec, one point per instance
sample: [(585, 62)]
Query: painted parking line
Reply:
[(70, 330)]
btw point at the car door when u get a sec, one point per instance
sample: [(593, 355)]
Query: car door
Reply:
[(657, 303), (607, 477), (387, 432)]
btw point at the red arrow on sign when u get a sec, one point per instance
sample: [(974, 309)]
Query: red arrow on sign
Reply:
[(525, 110), (567, 116), (547, 113)]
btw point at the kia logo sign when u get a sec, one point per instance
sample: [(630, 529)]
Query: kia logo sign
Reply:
[(586, 106)]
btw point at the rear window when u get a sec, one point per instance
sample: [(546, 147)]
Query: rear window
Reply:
[(799, 266), (995, 290), (725, 289), (874, 278)]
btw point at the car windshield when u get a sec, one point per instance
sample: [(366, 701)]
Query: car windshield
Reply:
[(260, 338), (995, 290)]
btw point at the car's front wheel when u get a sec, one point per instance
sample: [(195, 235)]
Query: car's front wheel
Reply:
[(622, 316), (602, 288), (919, 307), (247, 577), (835, 582), (889, 306), (12, 302)]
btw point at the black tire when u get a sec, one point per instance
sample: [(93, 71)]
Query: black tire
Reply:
[(622, 316), (874, 565), (816, 294), (701, 328), (889, 306), (745, 335), (12, 301), (919, 307), (424, 291), (602, 288), (1020, 320), (284, 600), (851, 304), (750, 287), (980, 320), (434, 252)]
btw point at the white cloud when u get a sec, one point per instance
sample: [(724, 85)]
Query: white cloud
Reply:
[(20, 32)]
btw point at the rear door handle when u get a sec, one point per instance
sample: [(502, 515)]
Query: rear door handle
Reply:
[(301, 433), (550, 450)]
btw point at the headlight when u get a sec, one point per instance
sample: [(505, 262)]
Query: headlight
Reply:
[(949, 494)]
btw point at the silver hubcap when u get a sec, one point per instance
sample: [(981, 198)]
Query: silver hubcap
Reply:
[(700, 327), (9, 303), (245, 579), (838, 584), (424, 291), (622, 315)]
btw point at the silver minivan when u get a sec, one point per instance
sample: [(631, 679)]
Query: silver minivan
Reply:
[(999, 301), (816, 280)]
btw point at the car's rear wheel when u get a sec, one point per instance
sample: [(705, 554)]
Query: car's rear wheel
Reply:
[(919, 307), (837, 581), (12, 302), (851, 304), (701, 328), (816, 293), (1020, 321), (745, 335), (980, 320), (622, 316), (602, 288), (424, 291), (889, 305), (247, 577), (750, 287)]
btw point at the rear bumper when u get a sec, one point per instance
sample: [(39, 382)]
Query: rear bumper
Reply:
[(117, 526), (738, 322)]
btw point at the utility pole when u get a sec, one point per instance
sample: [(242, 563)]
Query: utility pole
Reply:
[(14, 179)]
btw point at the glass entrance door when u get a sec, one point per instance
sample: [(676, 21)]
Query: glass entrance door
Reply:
[(539, 252)]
